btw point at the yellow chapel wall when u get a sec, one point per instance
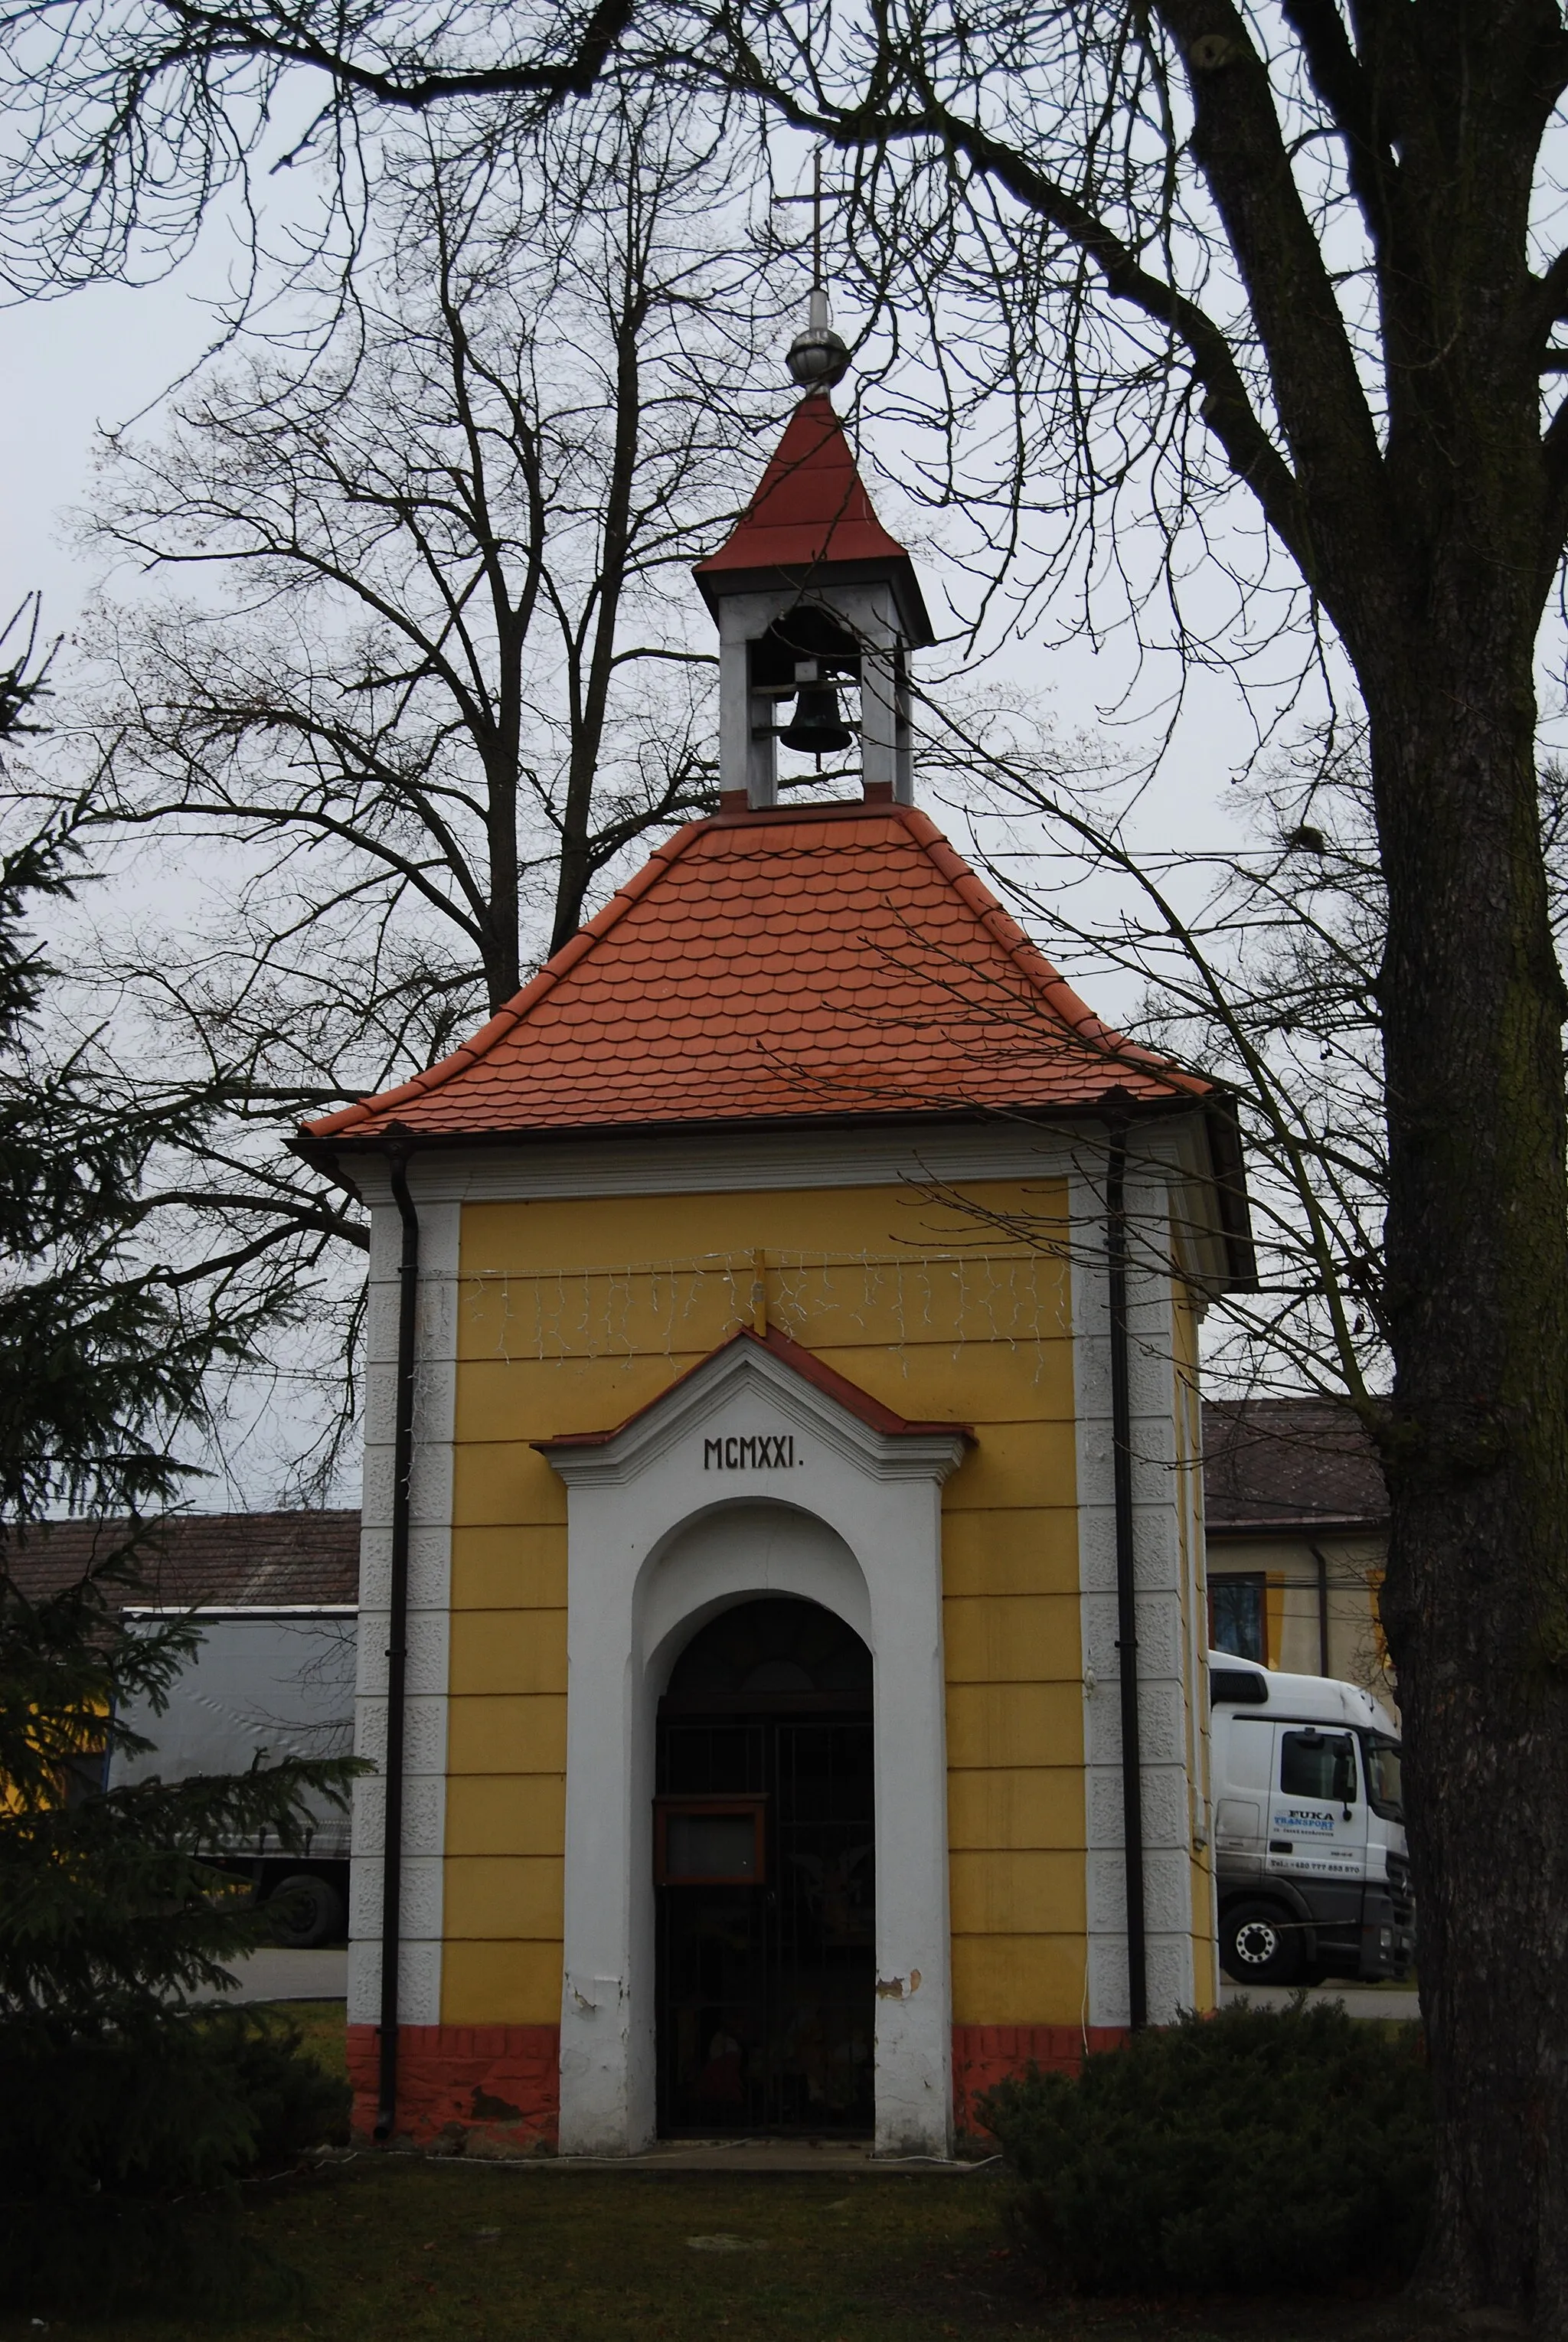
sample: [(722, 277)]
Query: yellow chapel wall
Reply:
[(575, 1313)]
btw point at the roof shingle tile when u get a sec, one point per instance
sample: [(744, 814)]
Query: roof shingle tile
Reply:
[(760, 967)]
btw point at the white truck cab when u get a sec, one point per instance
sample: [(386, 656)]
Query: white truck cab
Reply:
[(1310, 1850)]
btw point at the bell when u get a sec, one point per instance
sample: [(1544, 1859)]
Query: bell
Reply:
[(816, 729)]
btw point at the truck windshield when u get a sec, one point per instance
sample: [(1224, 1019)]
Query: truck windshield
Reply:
[(1384, 1792)]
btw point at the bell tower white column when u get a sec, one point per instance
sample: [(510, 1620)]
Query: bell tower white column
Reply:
[(884, 714), (745, 762)]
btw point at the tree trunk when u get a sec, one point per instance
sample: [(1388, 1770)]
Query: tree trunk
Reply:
[(1476, 1441), (502, 946), (591, 677)]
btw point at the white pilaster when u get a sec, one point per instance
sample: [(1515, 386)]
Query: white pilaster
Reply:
[(1163, 1654), (878, 717), (745, 762), (903, 736)]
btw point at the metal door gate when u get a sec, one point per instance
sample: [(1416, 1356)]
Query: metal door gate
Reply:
[(766, 1977)]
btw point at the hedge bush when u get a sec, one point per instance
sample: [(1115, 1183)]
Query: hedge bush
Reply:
[(119, 2159), (1251, 2151)]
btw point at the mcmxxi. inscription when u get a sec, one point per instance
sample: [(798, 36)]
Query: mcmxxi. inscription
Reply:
[(768, 1451)]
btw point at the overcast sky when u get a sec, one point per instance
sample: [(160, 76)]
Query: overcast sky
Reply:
[(103, 357)]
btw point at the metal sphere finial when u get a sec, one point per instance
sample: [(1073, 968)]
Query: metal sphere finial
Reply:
[(818, 358)]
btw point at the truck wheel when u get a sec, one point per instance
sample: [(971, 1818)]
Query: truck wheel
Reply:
[(1259, 1945), (304, 1912)]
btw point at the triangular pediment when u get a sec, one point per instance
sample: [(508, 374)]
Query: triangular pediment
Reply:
[(750, 1411)]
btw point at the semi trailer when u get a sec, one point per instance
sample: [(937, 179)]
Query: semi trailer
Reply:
[(265, 1684), (1310, 1853)]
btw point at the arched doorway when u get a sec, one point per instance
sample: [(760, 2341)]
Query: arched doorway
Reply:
[(764, 1868)]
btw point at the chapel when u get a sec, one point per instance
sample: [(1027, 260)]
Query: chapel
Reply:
[(782, 1616)]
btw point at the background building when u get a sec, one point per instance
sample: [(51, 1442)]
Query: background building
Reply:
[(1296, 1521)]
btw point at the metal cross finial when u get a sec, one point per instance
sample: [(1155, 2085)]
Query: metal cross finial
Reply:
[(815, 200), (817, 358)]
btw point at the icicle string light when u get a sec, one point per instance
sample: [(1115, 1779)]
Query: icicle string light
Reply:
[(850, 1300)]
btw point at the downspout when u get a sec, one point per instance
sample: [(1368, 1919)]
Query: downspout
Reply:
[(1127, 1597), (1320, 1558), (397, 1645)]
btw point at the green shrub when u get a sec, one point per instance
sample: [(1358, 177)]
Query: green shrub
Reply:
[(1246, 2152), (119, 2154)]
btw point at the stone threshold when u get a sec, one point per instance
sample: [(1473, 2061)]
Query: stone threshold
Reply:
[(752, 2157)]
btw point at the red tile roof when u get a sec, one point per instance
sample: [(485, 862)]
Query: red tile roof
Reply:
[(801, 1361), (1289, 1467), (812, 505), (261, 1560), (838, 962), (811, 514)]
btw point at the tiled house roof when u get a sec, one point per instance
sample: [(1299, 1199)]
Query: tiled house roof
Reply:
[(261, 1560), (841, 962), (1282, 1465)]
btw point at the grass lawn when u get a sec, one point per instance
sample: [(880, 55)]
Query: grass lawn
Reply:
[(322, 2028), (395, 2247)]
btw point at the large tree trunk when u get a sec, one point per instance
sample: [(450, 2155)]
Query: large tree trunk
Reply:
[(1476, 1598)]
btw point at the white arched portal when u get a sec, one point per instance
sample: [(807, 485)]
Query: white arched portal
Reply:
[(759, 1473), (739, 1552)]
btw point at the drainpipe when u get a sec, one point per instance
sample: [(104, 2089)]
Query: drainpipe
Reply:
[(1126, 1602), (1320, 1558), (397, 1645)]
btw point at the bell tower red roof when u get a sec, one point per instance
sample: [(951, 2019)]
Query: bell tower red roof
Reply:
[(811, 520)]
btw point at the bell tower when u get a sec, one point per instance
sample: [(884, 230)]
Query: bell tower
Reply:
[(818, 607)]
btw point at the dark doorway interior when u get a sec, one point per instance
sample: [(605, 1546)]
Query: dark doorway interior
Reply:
[(766, 1880)]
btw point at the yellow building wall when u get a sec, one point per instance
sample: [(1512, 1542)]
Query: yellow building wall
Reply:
[(1357, 1652), (574, 1314)]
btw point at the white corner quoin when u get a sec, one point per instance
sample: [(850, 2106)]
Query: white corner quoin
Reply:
[(745, 1479)]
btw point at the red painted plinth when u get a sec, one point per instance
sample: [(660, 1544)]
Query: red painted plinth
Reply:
[(501, 2083), (984, 2055)]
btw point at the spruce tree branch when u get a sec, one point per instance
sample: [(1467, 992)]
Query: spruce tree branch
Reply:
[(316, 1219)]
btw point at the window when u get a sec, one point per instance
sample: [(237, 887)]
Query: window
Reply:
[(1384, 1790), (84, 1775), (708, 1841), (1237, 1618), (1318, 1765)]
